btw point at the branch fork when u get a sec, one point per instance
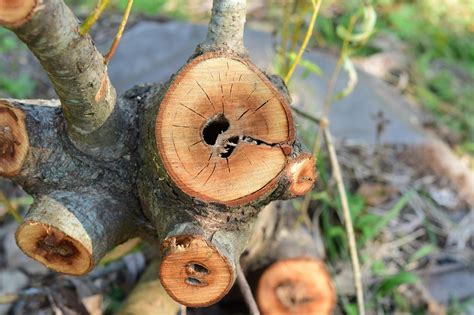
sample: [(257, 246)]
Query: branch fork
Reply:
[(188, 165)]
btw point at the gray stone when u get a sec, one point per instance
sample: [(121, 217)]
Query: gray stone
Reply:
[(454, 285), (11, 281), (151, 52)]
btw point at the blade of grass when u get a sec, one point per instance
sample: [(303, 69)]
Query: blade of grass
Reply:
[(309, 32), (117, 38), (391, 214), (10, 208), (91, 19)]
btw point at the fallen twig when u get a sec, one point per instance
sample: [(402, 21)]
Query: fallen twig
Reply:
[(246, 291), (347, 219)]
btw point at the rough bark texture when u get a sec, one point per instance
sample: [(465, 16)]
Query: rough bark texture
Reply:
[(100, 196), (178, 214), (92, 222), (79, 76)]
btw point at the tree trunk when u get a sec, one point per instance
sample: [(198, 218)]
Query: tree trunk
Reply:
[(188, 164)]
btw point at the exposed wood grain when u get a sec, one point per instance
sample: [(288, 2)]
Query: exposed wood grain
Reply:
[(16, 12), (13, 139), (54, 249), (220, 129), (193, 271), (302, 173)]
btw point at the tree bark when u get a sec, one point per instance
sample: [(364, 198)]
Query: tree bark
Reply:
[(184, 181), (71, 231), (79, 76), (226, 27)]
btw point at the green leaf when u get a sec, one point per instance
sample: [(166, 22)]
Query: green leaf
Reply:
[(351, 83), (390, 283), (336, 231), (422, 252), (350, 308), (391, 214), (378, 267), (22, 87), (367, 27), (307, 65)]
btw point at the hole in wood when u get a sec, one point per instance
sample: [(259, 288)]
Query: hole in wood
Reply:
[(53, 248), (196, 268), (229, 147), (196, 274), (214, 128), (195, 282), (296, 286)]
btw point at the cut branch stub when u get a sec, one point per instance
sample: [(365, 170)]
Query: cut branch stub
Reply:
[(296, 286), (302, 174), (70, 232), (13, 139), (54, 249), (194, 272), (222, 128), (16, 12)]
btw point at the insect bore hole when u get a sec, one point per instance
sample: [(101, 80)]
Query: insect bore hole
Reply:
[(196, 268), (214, 127), (195, 282), (230, 146)]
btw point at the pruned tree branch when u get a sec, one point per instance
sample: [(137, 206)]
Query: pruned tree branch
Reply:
[(78, 73), (226, 27), (70, 231)]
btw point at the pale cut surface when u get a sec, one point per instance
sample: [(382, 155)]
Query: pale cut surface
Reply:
[(219, 128), (194, 273), (13, 139), (53, 248), (303, 175), (14, 12), (296, 286)]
